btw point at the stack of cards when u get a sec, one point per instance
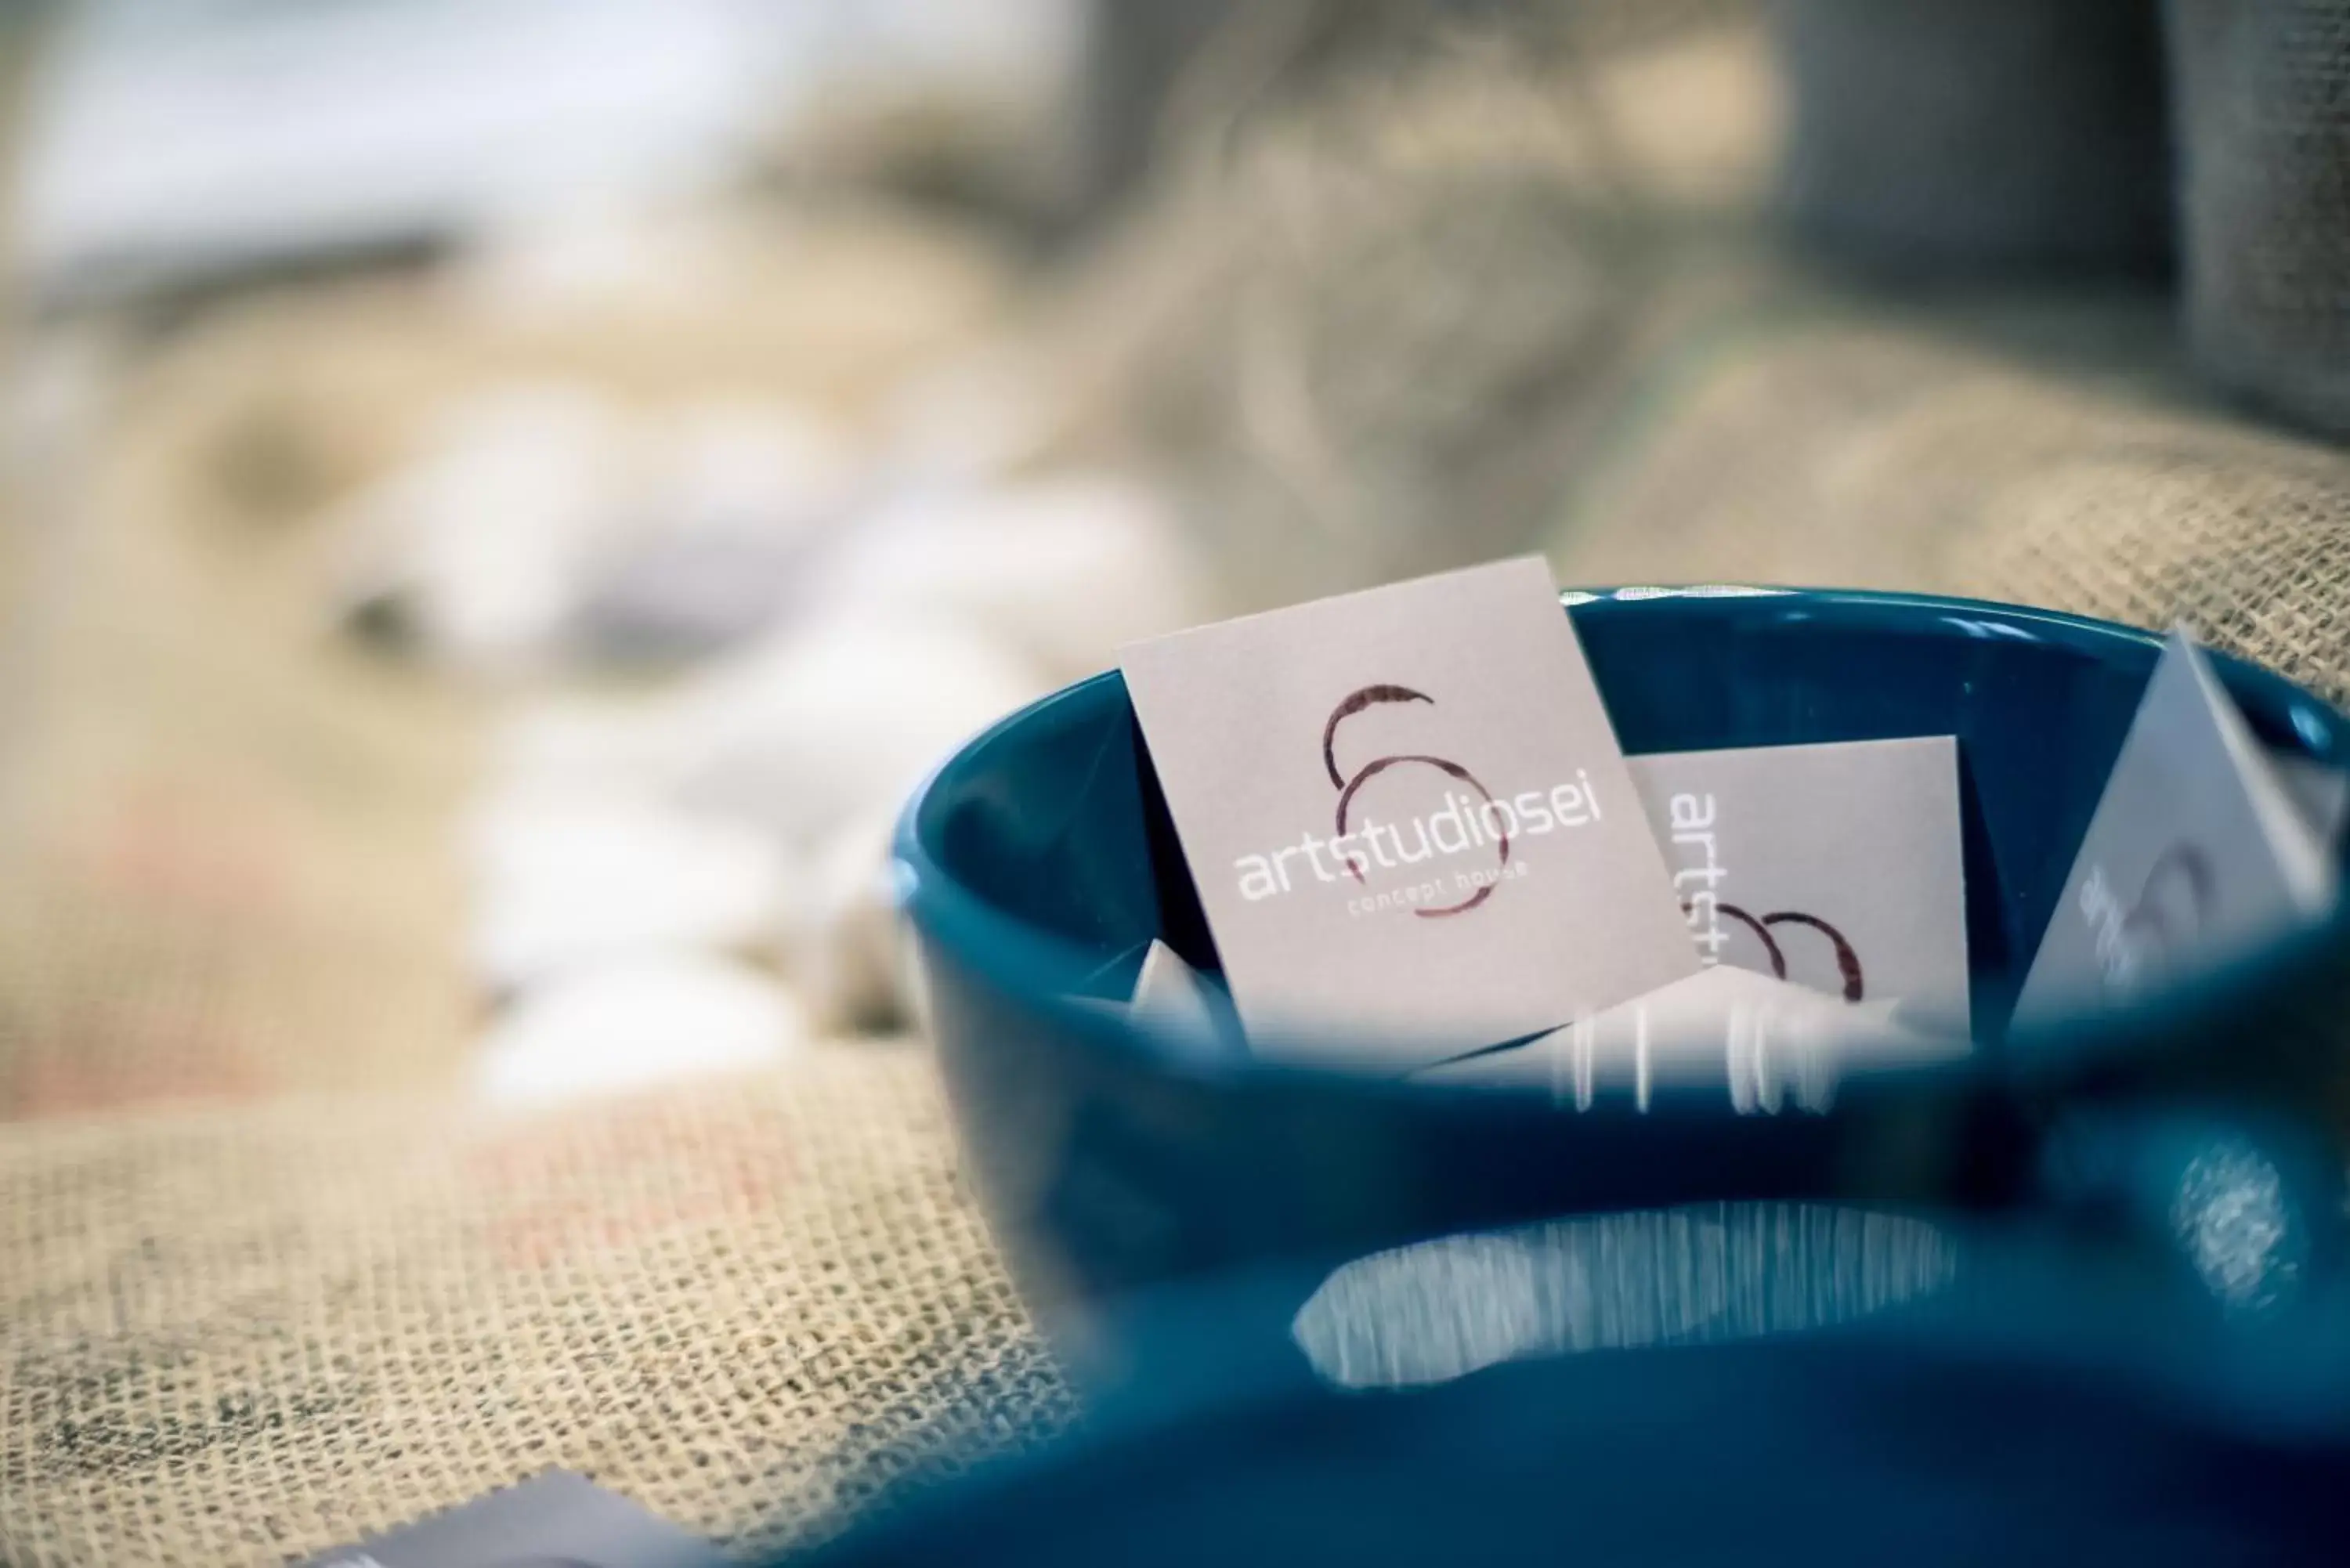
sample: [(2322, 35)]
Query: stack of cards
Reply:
[(1418, 845)]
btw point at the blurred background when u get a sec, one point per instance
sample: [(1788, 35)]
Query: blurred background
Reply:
[(504, 498)]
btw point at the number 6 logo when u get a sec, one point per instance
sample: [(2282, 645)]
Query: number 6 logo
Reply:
[(1348, 787)]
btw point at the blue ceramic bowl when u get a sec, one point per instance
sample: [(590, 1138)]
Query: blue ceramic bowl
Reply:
[(2012, 1428), (1037, 863), (1804, 1454)]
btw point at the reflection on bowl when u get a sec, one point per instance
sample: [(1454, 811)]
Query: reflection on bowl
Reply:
[(1438, 1310)]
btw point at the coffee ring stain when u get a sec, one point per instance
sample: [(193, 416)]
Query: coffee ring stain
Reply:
[(1353, 703), (1847, 960)]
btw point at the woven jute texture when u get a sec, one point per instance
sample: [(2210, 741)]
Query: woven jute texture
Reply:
[(220, 829), (2264, 94), (243, 1336), (1373, 325), (2029, 451)]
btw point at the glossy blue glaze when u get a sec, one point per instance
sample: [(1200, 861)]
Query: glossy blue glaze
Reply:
[(2021, 1441), (1036, 863)]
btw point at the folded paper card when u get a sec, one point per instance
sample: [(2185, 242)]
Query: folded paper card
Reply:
[(554, 1521), (1410, 822), (2200, 849), (1837, 866), (1170, 994), (1171, 998), (1768, 1044)]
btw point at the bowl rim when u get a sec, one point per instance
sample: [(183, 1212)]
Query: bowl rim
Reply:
[(1043, 969)]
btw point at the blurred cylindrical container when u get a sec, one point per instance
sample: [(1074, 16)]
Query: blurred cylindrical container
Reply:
[(1967, 133), (2261, 90)]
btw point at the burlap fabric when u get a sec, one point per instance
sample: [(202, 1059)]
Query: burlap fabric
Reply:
[(2033, 449), (1374, 328), (220, 829), (2264, 92), (265, 1284), (246, 1335)]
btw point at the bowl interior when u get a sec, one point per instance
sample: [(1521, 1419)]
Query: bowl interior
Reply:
[(1042, 850)]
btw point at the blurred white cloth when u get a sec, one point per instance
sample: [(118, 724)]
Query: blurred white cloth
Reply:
[(1067, 569), (741, 497), (634, 1024), (477, 549), (544, 525), (795, 734), (563, 881), (842, 935), (743, 806), (169, 140)]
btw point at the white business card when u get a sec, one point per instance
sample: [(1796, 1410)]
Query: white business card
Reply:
[(1838, 867), (1409, 823)]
